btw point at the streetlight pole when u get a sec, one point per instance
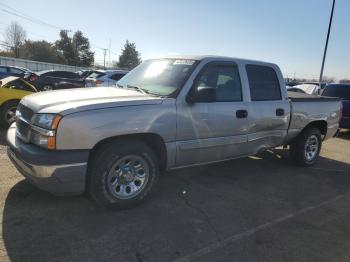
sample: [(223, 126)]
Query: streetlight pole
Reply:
[(104, 58), (326, 46)]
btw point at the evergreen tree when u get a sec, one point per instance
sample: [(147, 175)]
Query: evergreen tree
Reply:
[(130, 57), (75, 50)]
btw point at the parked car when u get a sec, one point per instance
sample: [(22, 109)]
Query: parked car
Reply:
[(320, 87), (295, 89), (14, 71), (54, 79), (167, 114), (12, 90), (105, 78), (342, 91), (310, 89), (85, 73)]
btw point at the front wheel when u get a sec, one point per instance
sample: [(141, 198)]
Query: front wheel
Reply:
[(306, 148), (122, 174), (8, 113)]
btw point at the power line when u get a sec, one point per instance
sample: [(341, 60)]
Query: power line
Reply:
[(15, 12)]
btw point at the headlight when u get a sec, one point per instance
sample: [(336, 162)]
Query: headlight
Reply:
[(43, 120), (44, 128)]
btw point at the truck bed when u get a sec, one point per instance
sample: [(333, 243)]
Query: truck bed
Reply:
[(301, 97)]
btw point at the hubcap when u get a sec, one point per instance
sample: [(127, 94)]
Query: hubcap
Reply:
[(128, 176), (11, 115), (311, 148), (47, 88)]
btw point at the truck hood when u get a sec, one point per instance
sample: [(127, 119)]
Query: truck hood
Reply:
[(81, 99)]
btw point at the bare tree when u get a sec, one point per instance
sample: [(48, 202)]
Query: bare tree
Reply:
[(14, 37)]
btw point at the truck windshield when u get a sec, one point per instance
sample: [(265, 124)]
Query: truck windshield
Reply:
[(160, 77)]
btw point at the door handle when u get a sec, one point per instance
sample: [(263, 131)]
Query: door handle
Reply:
[(241, 113), (279, 112)]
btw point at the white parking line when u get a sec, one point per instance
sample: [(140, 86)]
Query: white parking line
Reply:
[(236, 237)]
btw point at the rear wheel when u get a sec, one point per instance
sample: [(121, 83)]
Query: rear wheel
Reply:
[(47, 88), (306, 148), (8, 113), (122, 174)]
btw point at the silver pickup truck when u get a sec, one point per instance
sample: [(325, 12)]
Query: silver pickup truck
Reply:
[(165, 114)]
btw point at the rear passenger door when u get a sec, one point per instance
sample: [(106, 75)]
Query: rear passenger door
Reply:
[(269, 109)]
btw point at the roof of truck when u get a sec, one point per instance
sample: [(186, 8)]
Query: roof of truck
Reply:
[(202, 57)]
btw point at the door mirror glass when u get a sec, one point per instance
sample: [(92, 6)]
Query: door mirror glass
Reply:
[(205, 94)]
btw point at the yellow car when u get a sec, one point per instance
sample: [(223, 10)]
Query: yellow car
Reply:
[(12, 90)]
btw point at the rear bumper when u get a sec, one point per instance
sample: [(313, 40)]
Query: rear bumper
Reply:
[(58, 172), (344, 122)]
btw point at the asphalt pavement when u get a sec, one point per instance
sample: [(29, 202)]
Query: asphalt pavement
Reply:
[(260, 208)]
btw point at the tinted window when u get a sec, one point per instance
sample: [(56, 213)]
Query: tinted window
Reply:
[(3, 69), (341, 91), (225, 79), (117, 76), (16, 71), (62, 74), (263, 83)]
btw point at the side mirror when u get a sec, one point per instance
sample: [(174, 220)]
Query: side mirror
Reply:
[(204, 94)]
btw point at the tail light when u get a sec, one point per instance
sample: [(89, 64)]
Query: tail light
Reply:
[(33, 77), (98, 82)]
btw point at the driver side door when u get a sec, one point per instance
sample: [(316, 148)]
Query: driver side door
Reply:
[(213, 126)]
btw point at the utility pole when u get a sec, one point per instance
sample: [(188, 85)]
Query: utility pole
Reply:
[(104, 58), (109, 54), (326, 46)]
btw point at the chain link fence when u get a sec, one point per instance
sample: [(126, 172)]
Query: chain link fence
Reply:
[(37, 66)]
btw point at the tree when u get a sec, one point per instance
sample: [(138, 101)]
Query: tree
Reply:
[(130, 57), (84, 56), (14, 37), (65, 47), (75, 50), (42, 51)]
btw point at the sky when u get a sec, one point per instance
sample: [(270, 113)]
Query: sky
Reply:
[(291, 33)]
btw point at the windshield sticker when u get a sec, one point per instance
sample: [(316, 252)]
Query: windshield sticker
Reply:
[(184, 62)]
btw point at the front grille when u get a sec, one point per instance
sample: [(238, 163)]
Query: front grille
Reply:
[(23, 130), (25, 112), (22, 122)]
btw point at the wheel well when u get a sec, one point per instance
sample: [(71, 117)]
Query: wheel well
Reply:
[(320, 125), (154, 141), (9, 101)]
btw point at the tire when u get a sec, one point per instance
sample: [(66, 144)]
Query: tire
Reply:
[(113, 182), (8, 113), (306, 148), (46, 88)]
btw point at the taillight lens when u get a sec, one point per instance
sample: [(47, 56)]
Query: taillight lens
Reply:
[(98, 82), (346, 108), (33, 77)]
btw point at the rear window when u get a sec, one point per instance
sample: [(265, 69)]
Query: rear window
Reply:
[(96, 75), (62, 74), (16, 71), (341, 91), (117, 76), (263, 83)]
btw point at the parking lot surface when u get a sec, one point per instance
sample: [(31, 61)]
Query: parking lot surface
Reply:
[(260, 208)]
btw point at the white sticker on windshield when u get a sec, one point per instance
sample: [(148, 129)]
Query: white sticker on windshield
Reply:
[(184, 62)]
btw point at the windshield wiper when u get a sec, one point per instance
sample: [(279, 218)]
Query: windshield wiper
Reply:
[(141, 90)]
